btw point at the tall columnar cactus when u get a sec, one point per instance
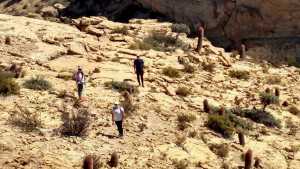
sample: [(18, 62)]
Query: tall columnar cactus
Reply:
[(248, 159), (88, 162), (277, 92), (114, 160), (206, 106), (241, 138), (268, 90), (242, 51), (200, 33)]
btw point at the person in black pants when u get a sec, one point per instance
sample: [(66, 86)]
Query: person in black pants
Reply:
[(139, 70)]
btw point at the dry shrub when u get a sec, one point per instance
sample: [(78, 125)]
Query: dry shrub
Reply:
[(25, 119), (160, 41), (76, 122), (180, 140), (181, 164), (183, 91), (222, 150), (121, 30), (208, 66), (294, 110), (239, 74), (65, 76), (8, 86), (122, 86), (188, 68), (171, 72), (38, 83), (128, 104), (267, 98), (184, 119), (274, 79)]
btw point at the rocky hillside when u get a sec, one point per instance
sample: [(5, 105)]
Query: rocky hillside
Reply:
[(167, 126)]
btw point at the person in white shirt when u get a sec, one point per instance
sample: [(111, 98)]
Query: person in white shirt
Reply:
[(80, 81), (118, 117)]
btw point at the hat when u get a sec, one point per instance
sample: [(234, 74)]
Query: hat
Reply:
[(116, 103)]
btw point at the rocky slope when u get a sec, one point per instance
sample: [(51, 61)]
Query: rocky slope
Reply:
[(49, 49)]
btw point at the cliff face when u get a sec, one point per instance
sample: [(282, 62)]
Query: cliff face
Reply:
[(235, 20), (226, 21)]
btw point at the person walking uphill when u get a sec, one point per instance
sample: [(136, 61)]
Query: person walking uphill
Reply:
[(80, 80), (139, 70), (118, 117)]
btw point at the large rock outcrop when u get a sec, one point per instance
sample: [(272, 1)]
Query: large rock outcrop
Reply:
[(227, 21)]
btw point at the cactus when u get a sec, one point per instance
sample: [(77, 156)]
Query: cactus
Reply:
[(285, 104), (268, 90), (88, 162), (277, 92), (257, 162), (241, 138), (248, 159), (114, 160), (222, 111), (206, 106), (242, 51), (200, 38)]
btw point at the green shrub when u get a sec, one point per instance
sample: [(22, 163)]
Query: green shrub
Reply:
[(180, 28), (8, 86), (261, 116), (121, 30), (220, 124), (37, 83), (267, 98), (159, 41), (183, 91), (189, 68), (122, 86), (239, 74), (171, 72)]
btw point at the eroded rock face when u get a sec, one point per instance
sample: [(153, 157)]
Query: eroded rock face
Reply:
[(227, 21), (235, 20)]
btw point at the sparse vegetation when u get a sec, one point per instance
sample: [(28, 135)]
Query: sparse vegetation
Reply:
[(188, 68), (159, 41), (294, 110), (38, 83), (65, 76), (180, 28), (208, 66), (267, 98), (8, 86), (274, 79), (180, 140), (239, 74), (183, 91), (122, 86), (128, 104), (26, 119), (184, 119), (222, 150), (121, 30), (181, 164), (220, 124), (75, 122), (171, 72)]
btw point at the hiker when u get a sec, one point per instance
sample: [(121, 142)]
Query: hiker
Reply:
[(80, 81), (118, 117), (139, 70)]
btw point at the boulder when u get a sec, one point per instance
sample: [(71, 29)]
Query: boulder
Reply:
[(76, 48)]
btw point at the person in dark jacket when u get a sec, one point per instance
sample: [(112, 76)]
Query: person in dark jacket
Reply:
[(139, 70)]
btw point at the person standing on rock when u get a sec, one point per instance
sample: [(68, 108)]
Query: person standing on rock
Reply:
[(118, 116), (80, 81), (139, 70)]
